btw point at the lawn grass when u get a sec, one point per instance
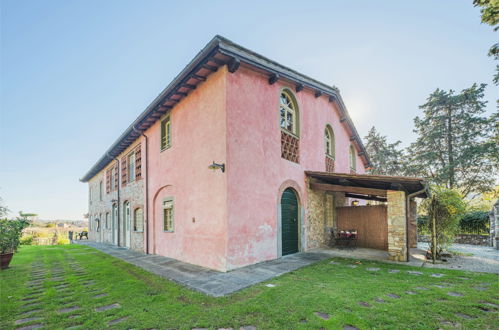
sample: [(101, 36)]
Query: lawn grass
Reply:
[(149, 301)]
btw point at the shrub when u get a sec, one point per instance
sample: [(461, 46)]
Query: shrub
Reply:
[(475, 222), (10, 234), (62, 241), (446, 207), (422, 221), (27, 240)]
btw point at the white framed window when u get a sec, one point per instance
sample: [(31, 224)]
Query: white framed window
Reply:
[(288, 111), (329, 142), (166, 133), (353, 159), (131, 167), (168, 215), (138, 220)]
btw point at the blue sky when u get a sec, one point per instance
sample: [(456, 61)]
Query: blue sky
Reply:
[(75, 74)]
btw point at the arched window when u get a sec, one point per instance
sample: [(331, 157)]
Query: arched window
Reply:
[(353, 159), (289, 119), (138, 220), (329, 141)]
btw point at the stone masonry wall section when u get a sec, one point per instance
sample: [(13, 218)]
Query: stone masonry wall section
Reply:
[(397, 247)]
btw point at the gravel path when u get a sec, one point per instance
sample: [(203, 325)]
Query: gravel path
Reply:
[(483, 258)]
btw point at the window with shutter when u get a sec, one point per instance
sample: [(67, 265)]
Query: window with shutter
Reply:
[(108, 181), (131, 166), (138, 220), (124, 172), (168, 215), (138, 163), (166, 134), (116, 177)]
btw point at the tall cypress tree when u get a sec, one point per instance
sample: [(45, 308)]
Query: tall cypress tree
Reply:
[(455, 145), (386, 158)]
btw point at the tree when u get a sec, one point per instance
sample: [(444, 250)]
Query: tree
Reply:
[(3, 209), (386, 158), (456, 145), (490, 15), (444, 209)]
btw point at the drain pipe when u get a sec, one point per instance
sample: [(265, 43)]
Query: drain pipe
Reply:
[(118, 198), (407, 209), (146, 204)]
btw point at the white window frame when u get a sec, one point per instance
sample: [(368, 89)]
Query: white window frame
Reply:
[(330, 152), (168, 205), (288, 109), (352, 158)]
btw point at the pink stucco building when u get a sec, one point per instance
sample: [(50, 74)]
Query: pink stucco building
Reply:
[(217, 170)]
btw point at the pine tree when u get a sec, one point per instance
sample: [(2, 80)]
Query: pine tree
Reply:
[(386, 158), (455, 145)]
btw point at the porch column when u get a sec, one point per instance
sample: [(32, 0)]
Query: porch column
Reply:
[(397, 247)]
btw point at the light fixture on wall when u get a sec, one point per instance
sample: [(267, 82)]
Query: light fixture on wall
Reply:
[(355, 203), (214, 166)]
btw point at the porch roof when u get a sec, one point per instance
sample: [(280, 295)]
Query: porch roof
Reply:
[(367, 186)]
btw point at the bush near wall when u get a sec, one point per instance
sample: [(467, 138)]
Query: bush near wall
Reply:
[(474, 222)]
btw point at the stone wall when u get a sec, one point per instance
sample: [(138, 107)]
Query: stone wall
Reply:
[(100, 205), (397, 248), (321, 224), (462, 239), (315, 228)]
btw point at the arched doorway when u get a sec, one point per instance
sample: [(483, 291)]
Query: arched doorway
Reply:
[(289, 222)]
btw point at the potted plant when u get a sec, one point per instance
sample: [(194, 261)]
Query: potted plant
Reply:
[(10, 238)]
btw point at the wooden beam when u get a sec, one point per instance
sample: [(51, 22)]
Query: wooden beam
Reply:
[(367, 197), (217, 61), (233, 65), (299, 87), (318, 93), (198, 77), (332, 98), (209, 67), (181, 93), (273, 78), (191, 86), (348, 189)]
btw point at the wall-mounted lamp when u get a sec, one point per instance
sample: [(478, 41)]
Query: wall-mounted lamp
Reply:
[(355, 203), (214, 166)]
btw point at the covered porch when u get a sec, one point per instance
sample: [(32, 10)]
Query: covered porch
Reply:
[(380, 211)]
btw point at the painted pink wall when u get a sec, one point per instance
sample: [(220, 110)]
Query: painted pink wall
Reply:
[(255, 169), (181, 172)]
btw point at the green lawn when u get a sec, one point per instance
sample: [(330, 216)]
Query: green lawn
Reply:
[(148, 301)]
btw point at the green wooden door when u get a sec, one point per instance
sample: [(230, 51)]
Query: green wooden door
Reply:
[(289, 222)]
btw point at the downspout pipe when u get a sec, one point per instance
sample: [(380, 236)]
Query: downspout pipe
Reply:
[(146, 204), (118, 197), (407, 210)]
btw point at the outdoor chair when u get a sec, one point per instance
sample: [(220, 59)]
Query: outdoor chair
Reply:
[(346, 239)]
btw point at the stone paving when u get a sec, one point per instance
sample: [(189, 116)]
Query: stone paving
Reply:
[(207, 281)]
